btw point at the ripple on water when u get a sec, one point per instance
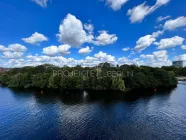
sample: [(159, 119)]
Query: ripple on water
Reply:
[(26, 115)]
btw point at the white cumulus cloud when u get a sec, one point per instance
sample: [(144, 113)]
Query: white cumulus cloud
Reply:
[(104, 57), (183, 47), (146, 41), (176, 23), (85, 50), (13, 47), (180, 57), (50, 51), (170, 42), (17, 48), (64, 49), (157, 59), (3, 48), (54, 50), (36, 38), (12, 55), (71, 32), (105, 39), (89, 28)]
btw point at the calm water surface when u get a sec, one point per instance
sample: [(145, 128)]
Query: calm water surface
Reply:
[(29, 115)]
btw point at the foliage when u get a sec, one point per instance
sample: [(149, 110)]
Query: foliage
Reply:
[(19, 80), (98, 78), (179, 71), (118, 83)]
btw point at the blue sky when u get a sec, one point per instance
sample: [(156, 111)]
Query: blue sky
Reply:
[(88, 32)]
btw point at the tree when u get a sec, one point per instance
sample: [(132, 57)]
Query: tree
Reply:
[(54, 82), (40, 80), (43, 77), (19, 80), (4, 78), (118, 83)]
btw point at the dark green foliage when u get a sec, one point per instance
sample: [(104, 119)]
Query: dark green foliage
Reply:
[(54, 82), (148, 77), (177, 70), (118, 83), (19, 80), (40, 80), (4, 78), (102, 77)]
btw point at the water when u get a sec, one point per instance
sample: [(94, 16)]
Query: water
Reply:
[(28, 115)]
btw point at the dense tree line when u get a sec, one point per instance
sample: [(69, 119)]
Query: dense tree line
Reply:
[(102, 77), (179, 71)]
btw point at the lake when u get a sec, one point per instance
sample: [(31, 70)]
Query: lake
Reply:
[(76, 115)]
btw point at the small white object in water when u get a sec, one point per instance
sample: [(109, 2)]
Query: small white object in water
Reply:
[(85, 93)]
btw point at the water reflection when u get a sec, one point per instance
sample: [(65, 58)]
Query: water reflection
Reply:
[(29, 114), (88, 96)]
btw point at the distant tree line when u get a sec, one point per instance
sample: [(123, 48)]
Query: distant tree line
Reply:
[(179, 71), (125, 77)]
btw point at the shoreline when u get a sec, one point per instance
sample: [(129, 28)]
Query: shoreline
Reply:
[(60, 90)]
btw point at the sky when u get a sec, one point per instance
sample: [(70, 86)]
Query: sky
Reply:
[(89, 32)]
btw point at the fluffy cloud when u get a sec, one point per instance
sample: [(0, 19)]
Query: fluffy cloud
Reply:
[(104, 57), (89, 28), (160, 54), (176, 23), (54, 50), (116, 4), (36, 38), (183, 47), (180, 57), (169, 42), (157, 59), (33, 60), (13, 47), (3, 48), (50, 51), (85, 50), (105, 39), (17, 48), (71, 32), (12, 55), (126, 49), (148, 56), (138, 13), (36, 58), (42, 3), (64, 49), (157, 34), (125, 60), (13, 51), (159, 19), (146, 41)]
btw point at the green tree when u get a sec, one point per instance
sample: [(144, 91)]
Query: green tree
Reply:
[(118, 83), (54, 81)]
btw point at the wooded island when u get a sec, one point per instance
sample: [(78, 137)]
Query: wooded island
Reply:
[(101, 77)]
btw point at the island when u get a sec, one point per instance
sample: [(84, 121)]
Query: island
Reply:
[(101, 77)]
